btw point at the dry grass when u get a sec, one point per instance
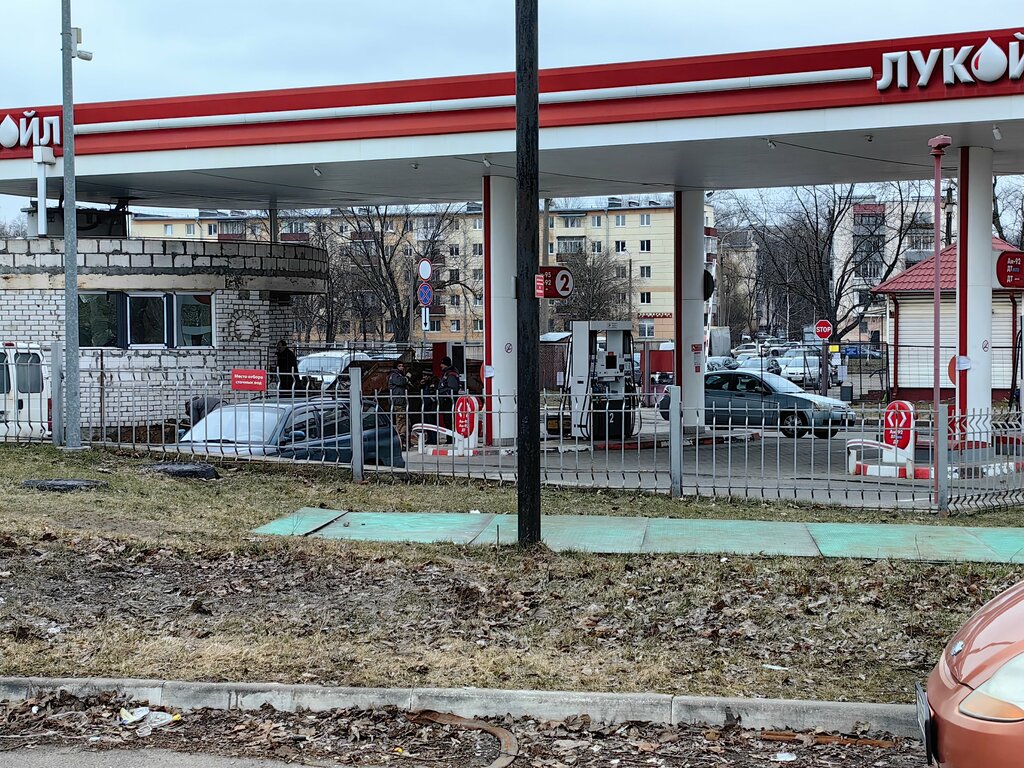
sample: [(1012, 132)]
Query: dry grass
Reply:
[(157, 577)]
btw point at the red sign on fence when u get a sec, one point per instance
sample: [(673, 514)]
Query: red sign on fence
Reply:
[(899, 424), (248, 380), (465, 415)]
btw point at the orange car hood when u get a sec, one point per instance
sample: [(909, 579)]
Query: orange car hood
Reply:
[(990, 638)]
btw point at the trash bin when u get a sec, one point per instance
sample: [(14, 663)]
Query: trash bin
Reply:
[(846, 393)]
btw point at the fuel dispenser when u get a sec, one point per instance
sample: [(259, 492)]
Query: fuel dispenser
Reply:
[(600, 395)]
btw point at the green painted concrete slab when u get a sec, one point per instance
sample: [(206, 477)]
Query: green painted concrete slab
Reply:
[(903, 542), (580, 533), (735, 537), (1007, 543), (417, 527), (302, 523)]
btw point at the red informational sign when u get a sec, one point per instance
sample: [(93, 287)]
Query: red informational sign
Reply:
[(465, 415), (1010, 269), (823, 330), (899, 424), (248, 380), (556, 283)]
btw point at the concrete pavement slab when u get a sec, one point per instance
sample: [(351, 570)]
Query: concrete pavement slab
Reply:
[(418, 527), (302, 523), (736, 537), (61, 757), (902, 542)]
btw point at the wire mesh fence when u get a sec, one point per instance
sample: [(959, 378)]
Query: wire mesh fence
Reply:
[(743, 444)]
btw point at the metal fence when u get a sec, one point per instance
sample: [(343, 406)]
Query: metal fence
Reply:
[(644, 441)]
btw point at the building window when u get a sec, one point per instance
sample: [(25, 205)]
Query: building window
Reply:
[(233, 228), (478, 274), (193, 320), (435, 326), (190, 229), (645, 246), (97, 320), (294, 228), (147, 320), (621, 273), (454, 300), (572, 222), (645, 219), (478, 223), (254, 231), (645, 272), (551, 222), (922, 241), (478, 300), (570, 245), (211, 229), (595, 246), (620, 246), (456, 326), (478, 249), (620, 219), (551, 248), (453, 275), (478, 326), (168, 229), (389, 326), (621, 298), (595, 221), (407, 250), (645, 329), (453, 250), (645, 297)]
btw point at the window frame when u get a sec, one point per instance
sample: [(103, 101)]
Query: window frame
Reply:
[(645, 246), (641, 298), (621, 246), (129, 344), (213, 319), (120, 319), (620, 219), (646, 272), (645, 219), (643, 325)]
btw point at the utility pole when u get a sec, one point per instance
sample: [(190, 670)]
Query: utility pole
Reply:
[(72, 392), (545, 238), (528, 333)]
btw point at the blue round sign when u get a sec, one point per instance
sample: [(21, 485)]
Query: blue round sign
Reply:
[(425, 294)]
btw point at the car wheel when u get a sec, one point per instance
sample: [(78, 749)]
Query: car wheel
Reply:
[(826, 433), (793, 425)]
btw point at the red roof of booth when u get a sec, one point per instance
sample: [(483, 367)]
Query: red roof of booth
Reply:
[(921, 276)]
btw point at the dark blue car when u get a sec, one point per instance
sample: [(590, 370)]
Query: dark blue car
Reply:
[(310, 430)]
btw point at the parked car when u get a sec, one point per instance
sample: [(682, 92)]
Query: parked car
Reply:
[(24, 392), (802, 369), (973, 711), (721, 363), (324, 368), (750, 348), (752, 398), (316, 429), (854, 351), (768, 364)]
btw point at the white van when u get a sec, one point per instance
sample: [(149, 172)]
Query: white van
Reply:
[(25, 405)]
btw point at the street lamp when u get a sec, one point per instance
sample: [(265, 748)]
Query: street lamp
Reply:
[(938, 150), (70, 38)]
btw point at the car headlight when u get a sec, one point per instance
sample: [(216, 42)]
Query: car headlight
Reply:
[(1001, 697)]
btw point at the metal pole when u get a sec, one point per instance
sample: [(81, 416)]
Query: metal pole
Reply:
[(72, 400), (355, 415), (938, 145), (528, 332), (675, 440), (57, 392)]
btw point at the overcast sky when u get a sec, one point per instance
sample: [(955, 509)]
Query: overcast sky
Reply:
[(151, 48)]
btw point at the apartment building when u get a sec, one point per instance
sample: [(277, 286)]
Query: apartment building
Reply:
[(634, 235)]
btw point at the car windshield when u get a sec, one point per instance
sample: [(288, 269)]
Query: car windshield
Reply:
[(319, 366), (251, 424), (779, 384)]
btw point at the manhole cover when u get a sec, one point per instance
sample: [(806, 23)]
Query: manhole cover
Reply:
[(193, 470), (64, 486)]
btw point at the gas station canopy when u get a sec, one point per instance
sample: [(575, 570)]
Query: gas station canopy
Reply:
[(842, 113)]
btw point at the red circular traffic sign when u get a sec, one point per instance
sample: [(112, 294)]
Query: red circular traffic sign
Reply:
[(898, 424), (823, 330)]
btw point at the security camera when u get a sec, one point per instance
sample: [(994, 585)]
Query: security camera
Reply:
[(940, 142)]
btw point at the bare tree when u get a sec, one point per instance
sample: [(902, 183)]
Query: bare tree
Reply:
[(602, 286), (16, 227), (1008, 209), (822, 248)]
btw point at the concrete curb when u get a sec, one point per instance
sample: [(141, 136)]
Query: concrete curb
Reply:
[(794, 714)]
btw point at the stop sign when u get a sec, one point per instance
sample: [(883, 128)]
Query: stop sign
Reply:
[(823, 330), (898, 424)]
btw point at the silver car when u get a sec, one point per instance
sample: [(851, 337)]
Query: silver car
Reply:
[(752, 398)]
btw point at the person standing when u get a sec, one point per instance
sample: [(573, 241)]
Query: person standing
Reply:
[(398, 392), (448, 389), (287, 369)]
